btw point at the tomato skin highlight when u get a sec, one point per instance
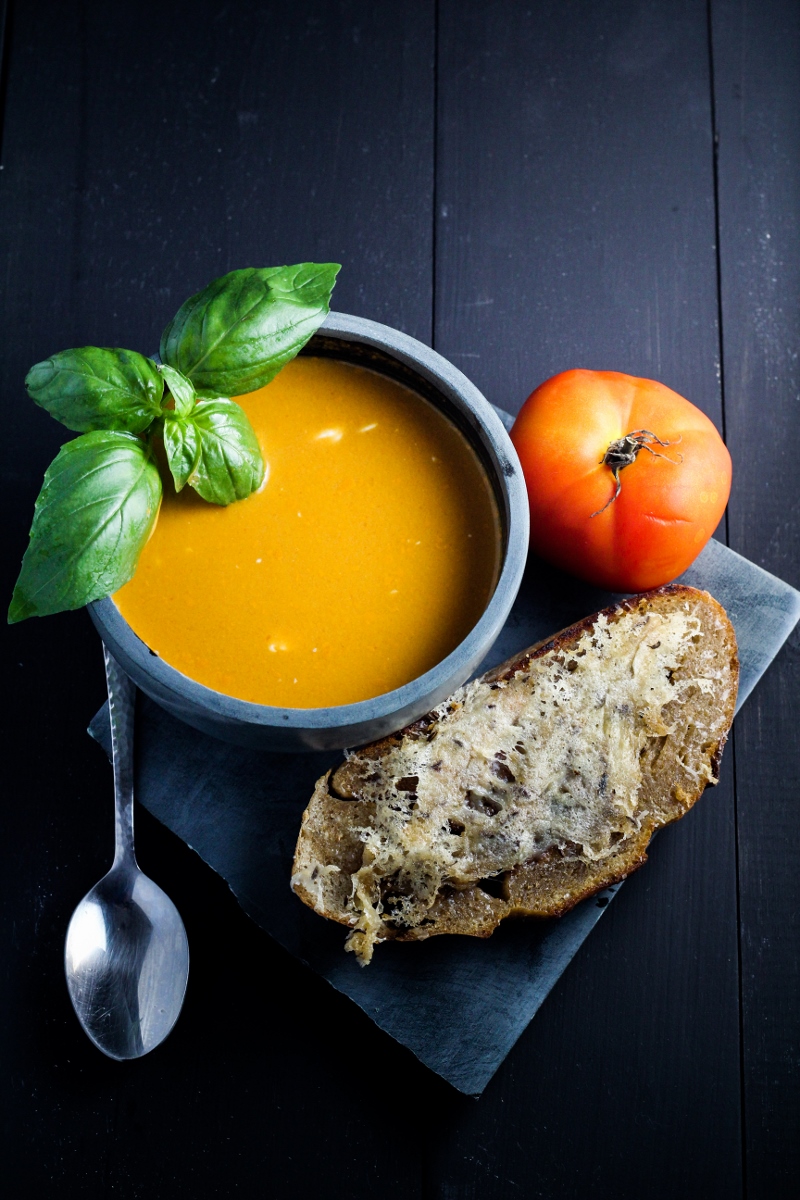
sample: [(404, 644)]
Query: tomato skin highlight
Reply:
[(669, 504)]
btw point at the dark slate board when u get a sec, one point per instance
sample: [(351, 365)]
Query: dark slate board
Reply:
[(458, 1003)]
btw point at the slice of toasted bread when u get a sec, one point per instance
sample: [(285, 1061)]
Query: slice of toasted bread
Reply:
[(532, 787)]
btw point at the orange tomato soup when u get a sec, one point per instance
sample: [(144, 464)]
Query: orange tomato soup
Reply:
[(367, 556)]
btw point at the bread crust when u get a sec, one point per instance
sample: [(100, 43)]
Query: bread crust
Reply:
[(330, 845)]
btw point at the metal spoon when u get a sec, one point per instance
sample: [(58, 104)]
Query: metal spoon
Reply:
[(126, 955)]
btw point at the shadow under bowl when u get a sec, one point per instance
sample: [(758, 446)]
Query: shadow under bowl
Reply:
[(261, 726)]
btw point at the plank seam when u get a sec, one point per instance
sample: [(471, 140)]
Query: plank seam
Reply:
[(435, 188), (429, 1185), (717, 231), (721, 354)]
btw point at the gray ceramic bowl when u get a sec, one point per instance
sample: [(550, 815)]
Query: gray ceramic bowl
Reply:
[(289, 729)]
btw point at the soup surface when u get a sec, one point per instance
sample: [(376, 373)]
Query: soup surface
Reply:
[(367, 556)]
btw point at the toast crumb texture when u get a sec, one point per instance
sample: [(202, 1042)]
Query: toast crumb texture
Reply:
[(530, 788)]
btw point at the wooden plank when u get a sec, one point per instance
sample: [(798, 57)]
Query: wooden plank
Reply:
[(757, 78), (147, 151), (576, 228)]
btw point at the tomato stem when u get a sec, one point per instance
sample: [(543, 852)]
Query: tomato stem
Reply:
[(623, 452)]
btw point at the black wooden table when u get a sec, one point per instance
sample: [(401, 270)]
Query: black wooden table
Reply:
[(528, 187)]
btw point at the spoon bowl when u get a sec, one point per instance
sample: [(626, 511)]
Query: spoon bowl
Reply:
[(127, 962), (126, 956)]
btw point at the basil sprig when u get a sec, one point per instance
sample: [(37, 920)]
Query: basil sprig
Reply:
[(101, 495)]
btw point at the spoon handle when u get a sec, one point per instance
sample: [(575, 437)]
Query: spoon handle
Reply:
[(121, 707)]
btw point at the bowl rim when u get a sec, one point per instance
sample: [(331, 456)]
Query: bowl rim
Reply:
[(447, 378)]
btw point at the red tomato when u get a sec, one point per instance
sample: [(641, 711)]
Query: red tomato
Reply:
[(672, 493)]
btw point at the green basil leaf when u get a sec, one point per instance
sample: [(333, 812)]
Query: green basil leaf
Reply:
[(235, 335), (215, 451), (182, 446), (92, 388), (96, 510), (181, 389)]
